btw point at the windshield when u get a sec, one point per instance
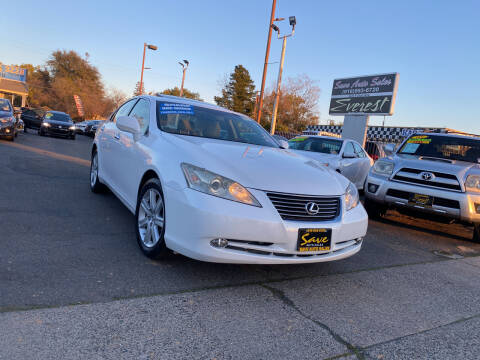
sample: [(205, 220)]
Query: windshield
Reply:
[(58, 117), (320, 145), (443, 147), (184, 119), (5, 105)]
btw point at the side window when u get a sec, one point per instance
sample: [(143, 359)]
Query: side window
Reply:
[(349, 149), (123, 110), (141, 112), (359, 151)]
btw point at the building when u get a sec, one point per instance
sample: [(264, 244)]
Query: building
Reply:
[(13, 84)]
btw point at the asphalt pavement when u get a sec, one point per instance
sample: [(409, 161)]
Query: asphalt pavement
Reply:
[(73, 283)]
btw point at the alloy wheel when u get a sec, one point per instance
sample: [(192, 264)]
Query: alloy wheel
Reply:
[(151, 218), (94, 170)]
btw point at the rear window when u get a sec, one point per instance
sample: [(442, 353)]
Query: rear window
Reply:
[(320, 145)]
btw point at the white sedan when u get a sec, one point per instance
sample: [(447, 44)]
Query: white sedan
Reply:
[(344, 156), (213, 185)]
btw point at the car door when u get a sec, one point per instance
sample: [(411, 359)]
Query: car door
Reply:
[(107, 143), (347, 162), (130, 155)]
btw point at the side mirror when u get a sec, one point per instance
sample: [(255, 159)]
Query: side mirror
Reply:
[(389, 149), (283, 144), (129, 124)]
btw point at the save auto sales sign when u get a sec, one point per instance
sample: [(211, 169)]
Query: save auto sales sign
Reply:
[(369, 95)]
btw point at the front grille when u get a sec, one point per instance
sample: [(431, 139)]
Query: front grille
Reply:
[(438, 201), (440, 180), (293, 207)]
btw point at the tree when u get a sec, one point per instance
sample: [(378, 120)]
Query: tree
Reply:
[(297, 107), (39, 87), (186, 93), (116, 97), (238, 93), (137, 90)]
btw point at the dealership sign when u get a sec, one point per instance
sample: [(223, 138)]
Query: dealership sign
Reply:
[(364, 95), (79, 105), (13, 72)]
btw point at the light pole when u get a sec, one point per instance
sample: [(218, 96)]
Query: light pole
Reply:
[(185, 67), (293, 22), (151, 47)]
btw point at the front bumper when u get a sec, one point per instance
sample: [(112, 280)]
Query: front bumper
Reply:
[(65, 131), (255, 235), (452, 204)]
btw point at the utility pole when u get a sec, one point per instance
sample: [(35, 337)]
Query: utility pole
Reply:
[(185, 67), (293, 22), (151, 47), (265, 64)]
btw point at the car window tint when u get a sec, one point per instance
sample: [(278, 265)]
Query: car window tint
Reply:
[(359, 151), (124, 109), (141, 112)]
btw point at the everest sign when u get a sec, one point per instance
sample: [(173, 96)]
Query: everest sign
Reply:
[(79, 104), (364, 95)]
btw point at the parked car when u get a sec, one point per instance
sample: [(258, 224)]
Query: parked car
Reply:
[(32, 118), (57, 123), (433, 174), (80, 127), (92, 127), (8, 122), (344, 156), (213, 185), (374, 150)]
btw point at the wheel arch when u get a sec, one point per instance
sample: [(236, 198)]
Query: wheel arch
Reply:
[(149, 174)]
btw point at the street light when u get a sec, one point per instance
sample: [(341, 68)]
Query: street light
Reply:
[(151, 47), (185, 67), (293, 22)]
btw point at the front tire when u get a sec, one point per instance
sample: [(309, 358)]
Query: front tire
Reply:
[(150, 220), (374, 210), (95, 185), (476, 233)]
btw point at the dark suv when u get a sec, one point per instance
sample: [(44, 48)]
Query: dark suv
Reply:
[(32, 118)]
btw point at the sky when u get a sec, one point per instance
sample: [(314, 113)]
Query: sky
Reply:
[(433, 45)]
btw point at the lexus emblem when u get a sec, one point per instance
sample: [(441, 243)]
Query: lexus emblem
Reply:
[(427, 176), (312, 208)]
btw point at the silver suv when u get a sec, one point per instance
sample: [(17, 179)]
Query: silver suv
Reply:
[(432, 173)]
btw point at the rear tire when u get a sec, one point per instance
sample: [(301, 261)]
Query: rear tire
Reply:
[(150, 220), (374, 209), (95, 185)]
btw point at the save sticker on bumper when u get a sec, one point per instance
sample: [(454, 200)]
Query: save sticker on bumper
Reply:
[(311, 240)]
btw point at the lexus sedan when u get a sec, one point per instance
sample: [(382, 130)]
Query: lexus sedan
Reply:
[(57, 123), (344, 156), (213, 185)]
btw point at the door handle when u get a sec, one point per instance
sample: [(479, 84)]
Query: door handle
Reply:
[(117, 136)]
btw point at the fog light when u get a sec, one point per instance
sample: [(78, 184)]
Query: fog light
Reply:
[(372, 188), (219, 243), (7, 130)]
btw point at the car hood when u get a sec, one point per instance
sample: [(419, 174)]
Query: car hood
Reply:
[(454, 167), (259, 167), (63, 123), (5, 114)]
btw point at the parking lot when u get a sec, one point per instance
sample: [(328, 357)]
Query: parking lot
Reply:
[(73, 282)]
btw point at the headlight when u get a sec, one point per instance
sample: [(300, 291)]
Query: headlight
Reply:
[(213, 184), (472, 183), (384, 168), (351, 197), (72, 127), (45, 124), (7, 120)]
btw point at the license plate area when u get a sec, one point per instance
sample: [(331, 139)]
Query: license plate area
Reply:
[(421, 200), (312, 240)]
